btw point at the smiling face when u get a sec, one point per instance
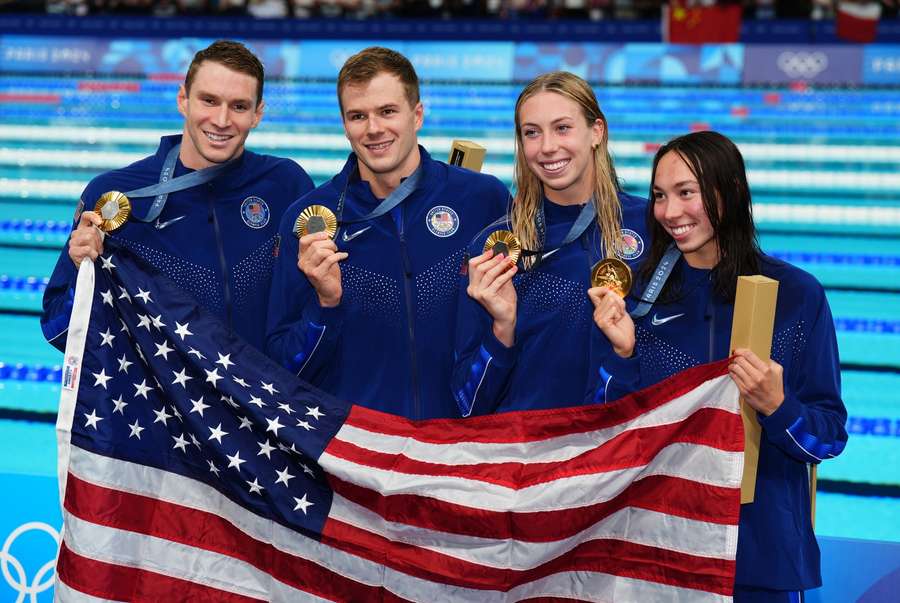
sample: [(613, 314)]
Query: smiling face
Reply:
[(678, 207), (381, 125), (219, 111), (557, 142)]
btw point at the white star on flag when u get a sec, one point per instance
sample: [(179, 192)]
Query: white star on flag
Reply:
[(302, 504), (182, 330), (92, 419), (101, 378)]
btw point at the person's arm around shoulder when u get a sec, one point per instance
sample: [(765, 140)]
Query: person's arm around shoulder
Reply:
[(305, 314), (801, 413)]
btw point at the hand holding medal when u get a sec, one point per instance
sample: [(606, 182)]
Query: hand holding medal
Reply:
[(317, 254), (110, 212), (490, 282)]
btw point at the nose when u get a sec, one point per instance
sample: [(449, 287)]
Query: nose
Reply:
[(548, 144), (374, 127), (222, 116), (672, 209)]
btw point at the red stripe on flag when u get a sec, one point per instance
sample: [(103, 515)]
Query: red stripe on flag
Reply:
[(551, 423), (122, 583), (661, 493), (634, 448), (207, 531), (616, 557)]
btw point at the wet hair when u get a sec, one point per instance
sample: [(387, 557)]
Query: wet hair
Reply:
[(366, 64), (234, 56), (718, 166), (530, 190)]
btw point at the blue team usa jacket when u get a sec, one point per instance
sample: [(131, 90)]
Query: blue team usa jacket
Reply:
[(389, 344), (776, 545), (548, 366), (216, 240)]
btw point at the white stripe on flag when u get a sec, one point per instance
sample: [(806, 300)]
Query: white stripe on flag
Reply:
[(689, 461), (715, 393)]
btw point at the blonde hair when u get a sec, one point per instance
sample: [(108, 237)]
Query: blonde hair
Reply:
[(530, 190)]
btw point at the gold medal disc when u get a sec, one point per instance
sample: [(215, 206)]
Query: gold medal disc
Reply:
[(612, 273), (313, 219), (114, 209), (505, 242)]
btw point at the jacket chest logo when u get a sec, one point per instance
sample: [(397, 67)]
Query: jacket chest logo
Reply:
[(255, 212), (442, 221)]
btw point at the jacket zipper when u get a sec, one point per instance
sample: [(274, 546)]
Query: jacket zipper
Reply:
[(226, 289), (410, 318)]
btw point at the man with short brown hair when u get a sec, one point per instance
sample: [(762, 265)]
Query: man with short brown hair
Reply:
[(369, 315), (216, 235)]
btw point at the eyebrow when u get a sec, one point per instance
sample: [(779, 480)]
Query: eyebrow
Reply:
[(201, 92), (381, 108), (555, 121), (682, 183)]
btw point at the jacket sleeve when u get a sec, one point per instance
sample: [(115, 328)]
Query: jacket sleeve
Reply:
[(482, 365), (301, 336), (810, 424), (612, 376), (58, 297)]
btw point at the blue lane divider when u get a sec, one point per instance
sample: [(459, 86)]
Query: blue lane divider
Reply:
[(23, 283), (867, 325), (35, 226), (25, 372), (875, 426), (852, 259)]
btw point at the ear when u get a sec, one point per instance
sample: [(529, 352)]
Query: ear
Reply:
[(419, 112), (258, 114), (182, 100), (597, 132)]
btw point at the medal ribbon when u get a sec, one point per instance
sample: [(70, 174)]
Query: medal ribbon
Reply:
[(167, 184), (582, 223), (406, 188), (660, 276)]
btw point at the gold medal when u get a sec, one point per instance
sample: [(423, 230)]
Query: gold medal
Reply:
[(114, 209), (313, 219), (505, 242), (612, 273)]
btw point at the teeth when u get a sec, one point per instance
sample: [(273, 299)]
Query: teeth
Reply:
[(679, 230), (217, 137), (551, 167), (380, 146)]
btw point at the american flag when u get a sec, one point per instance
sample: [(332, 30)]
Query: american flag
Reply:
[(192, 468)]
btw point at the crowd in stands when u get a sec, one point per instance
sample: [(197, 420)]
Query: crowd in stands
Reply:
[(360, 9)]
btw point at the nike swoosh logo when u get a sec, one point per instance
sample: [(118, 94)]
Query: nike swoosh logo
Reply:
[(656, 321), (160, 225), (349, 237), (549, 253)]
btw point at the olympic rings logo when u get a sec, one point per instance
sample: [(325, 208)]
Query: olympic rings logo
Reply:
[(45, 576), (802, 64)]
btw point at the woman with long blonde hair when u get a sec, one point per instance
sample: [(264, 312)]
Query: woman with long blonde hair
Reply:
[(524, 328)]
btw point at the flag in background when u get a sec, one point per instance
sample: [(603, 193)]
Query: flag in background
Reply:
[(193, 468), (687, 22), (857, 21)]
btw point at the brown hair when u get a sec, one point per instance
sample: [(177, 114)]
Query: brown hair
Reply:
[(232, 55), (530, 190), (362, 68)]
